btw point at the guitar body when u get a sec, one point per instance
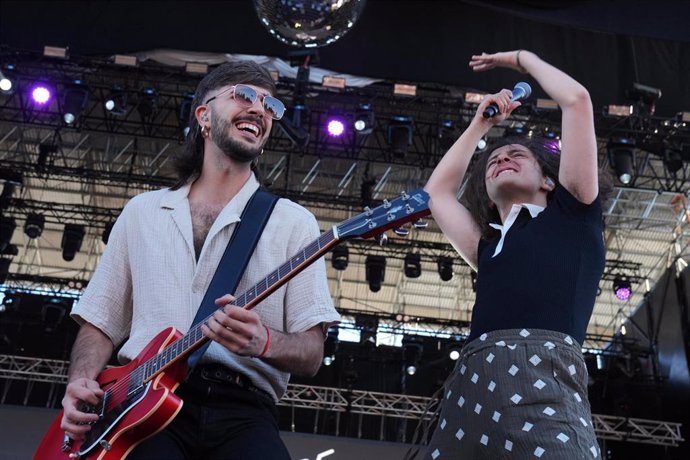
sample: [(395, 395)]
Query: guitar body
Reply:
[(131, 419)]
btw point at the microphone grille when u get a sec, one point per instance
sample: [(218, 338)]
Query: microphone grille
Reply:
[(524, 86)]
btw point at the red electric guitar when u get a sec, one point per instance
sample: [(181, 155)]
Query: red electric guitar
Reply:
[(139, 398)]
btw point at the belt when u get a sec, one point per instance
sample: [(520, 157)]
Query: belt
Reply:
[(218, 373)]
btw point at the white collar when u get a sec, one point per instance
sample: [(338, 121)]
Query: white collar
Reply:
[(534, 211)]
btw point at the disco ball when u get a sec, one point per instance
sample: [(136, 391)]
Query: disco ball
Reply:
[(308, 23)]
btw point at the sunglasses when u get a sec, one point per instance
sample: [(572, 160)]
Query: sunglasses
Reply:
[(246, 96)]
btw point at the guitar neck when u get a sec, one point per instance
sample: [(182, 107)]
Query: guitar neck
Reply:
[(247, 300)]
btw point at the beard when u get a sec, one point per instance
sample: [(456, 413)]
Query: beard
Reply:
[(233, 148)]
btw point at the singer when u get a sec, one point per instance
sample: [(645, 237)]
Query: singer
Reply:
[(530, 223)]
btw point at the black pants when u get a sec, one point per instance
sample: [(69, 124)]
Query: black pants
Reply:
[(218, 421)]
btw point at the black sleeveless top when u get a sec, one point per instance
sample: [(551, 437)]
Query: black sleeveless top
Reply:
[(548, 272)]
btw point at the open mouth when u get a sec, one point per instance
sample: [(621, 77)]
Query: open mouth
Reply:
[(504, 171), (249, 128)]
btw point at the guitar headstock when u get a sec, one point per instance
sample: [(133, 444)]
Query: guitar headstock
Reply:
[(405, 208)]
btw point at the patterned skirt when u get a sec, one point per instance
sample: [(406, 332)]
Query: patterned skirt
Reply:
[(516, 394)]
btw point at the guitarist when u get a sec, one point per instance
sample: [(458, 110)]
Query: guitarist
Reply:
[(161, 256)]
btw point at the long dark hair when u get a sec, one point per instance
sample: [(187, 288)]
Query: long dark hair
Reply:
[(188, 164), (545, 151)]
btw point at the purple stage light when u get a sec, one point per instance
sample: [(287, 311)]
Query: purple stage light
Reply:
[(622, 288), (40, 94), (335, 127)]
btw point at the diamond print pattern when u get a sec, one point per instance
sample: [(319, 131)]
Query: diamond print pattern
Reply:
[(550, 345), (478, 408), (461, 401), (484, 440), (535, 360), (500, 343), (513, 370), (460, 434), (583, 421), (490, 357), (577, 397), (483, 337), (571, 369), (435, 454), (512, 347), (548, 411), (539, 451), (539, 384), (524, 333), (516, 398), (474, 378), (463, 368), (568, 340), (443, 423), (496, 417), (492, 386), (508, 446), (593, 450), (527, 426), (562, 437), (450, 392)]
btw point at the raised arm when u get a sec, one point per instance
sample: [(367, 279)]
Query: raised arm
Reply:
[(578, 169), (455, 221)]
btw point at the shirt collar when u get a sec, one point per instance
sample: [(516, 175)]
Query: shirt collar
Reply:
[(534, 211), (173, 198)]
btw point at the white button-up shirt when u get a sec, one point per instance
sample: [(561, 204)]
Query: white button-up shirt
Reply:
[(149, 279)]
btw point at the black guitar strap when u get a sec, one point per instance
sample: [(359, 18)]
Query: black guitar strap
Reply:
[(235, 258)]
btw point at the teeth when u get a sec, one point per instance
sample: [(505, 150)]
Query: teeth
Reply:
[(505, 171), (249, 127)]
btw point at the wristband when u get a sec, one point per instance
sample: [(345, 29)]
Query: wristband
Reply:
[(268, 342)]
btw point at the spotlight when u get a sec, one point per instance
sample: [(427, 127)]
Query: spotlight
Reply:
[(335, 127), (445, 268), (364, 119), (148, 102), (5, 83), (645, 96), (413, 265), (106, 231), (74, 100), (673, 160), (368, 325), (515, 131), (330, 346), (7, 226), (375, 271), (340, 257), (33, 227), (412, 353), (41, 94), (481, 145), (116, 102), (184, 113), (454, 347), (621, 157), (72, 238), (622, 287), (400, 134)]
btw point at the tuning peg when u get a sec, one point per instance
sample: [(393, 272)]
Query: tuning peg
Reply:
[(401, 231), (420, 224), (386, 204), (368, 211), (381, 239), (404, 195)]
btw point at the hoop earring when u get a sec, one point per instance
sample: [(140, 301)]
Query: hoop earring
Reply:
[(204, 131)]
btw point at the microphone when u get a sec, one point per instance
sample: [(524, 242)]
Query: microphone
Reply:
[(522, 90)]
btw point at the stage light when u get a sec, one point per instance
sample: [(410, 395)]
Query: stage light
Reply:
[(330, 81), (44, 153), (148, 102), (34, 224), (364, 119), (340, 257), (55, 51), (645, 97), (445, 268), (116, 102), (196, 68), (622, 287), (673, 160), (621, 157), (125, 60), (412, 354), (106, 231), (75, 97), (7, 226), (335, 127), (481, 145), (400, 134), (546, 104), (413, 265), (52, 313), (454, 347), (184, 112), (368, 326), (72, 239), (330, 346), (515, 131), (401, 89), (614, 110), (474, 98), (375, 271), (5, 83), (41, 94)]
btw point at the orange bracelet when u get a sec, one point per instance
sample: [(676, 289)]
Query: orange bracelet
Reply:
[(268, 342)]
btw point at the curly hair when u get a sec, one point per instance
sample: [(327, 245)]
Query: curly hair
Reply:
[(188, 164), (476, 199)]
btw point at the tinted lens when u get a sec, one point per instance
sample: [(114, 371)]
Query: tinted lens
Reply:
[(245, 95), (274, 107)]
